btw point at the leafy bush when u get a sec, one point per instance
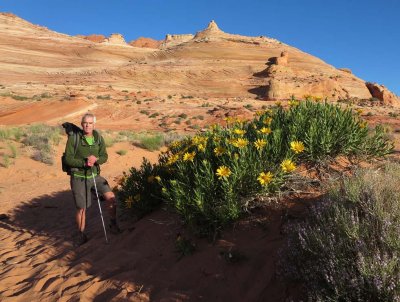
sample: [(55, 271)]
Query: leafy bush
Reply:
[(348, 249), (210, 178)]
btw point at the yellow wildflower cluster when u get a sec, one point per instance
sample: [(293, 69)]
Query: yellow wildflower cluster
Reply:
[(223, 172), (175, 144), (240, 142), (265, 130), (260, 143), (288, 166), (267, 121), (173, 159), (265, 178), (240, 132), (297, 147), (189, 156), (294, 103), (219, 151)]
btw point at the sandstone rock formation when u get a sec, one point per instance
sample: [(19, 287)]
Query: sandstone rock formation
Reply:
[(210, 64), (93, 38), (172, 40), (117, 39), (145, 43), (383, 94)]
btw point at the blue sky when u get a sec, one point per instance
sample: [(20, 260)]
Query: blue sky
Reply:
[(363, 35)]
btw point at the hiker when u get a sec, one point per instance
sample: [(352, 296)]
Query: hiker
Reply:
[(83, 157)]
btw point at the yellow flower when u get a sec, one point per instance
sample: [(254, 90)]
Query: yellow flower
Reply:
[(158, 178), (172, 159), (288, 166), (129, 202), (363, 124), (236, 155), (239, 132), (199, 140), (297, 147), (268, 121), (189, 156), (150, 179), (223, 172), (240, 143), (164, 190), (201, 147), (359, 111), (175, 144), (218, 151), (259, 112), (229, 120), (265, 178), (260, 143), (293, 103), (317, 98), (265, 130)]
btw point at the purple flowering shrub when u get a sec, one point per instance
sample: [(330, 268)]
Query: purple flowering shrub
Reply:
[(348, 248)]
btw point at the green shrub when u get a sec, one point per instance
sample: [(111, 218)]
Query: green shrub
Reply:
[(42, 138), (210, 178), (11, 133), (182, 115), (109, 140), (151, 141), (13, 150), (104, 97), (140, 190), (153, 115), (6, 161), (121, 152), (348, 249)]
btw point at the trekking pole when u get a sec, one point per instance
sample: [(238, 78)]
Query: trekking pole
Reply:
[(98, 201)]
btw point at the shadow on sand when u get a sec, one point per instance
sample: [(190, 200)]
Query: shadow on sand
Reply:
[(145, 257)]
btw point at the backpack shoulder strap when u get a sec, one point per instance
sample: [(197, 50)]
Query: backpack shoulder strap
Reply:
[(76, 141)]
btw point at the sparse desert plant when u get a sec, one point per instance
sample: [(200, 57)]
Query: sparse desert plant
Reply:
[(6, 161), (104, 97), (109, 140), (121, 152), (13, 150), (146, 112), (151, 141), (348, 248), (183, 115), (153, 115), (42, 138)]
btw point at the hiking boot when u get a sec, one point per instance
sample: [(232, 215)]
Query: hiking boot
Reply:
[(82, 239), (113, 226)]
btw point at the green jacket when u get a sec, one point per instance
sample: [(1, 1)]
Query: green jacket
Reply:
[(83, 151)]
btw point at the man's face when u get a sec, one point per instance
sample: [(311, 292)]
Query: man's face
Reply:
[(88, 125)]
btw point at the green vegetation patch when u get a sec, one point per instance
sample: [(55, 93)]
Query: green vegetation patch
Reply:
[(211, 178)]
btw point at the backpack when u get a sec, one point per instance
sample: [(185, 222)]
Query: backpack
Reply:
[(70, 130), (76, 132)]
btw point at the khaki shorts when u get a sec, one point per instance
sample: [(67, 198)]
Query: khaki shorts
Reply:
[(81, 189)]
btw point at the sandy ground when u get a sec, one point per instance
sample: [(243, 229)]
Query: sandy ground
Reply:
[(39, 262)]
